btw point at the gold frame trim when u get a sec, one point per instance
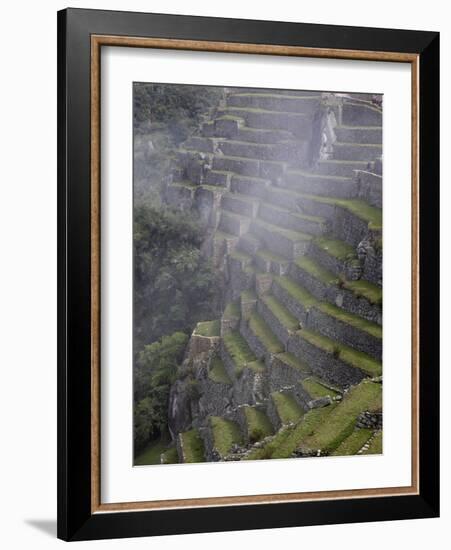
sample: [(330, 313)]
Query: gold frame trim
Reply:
[(97, 41)]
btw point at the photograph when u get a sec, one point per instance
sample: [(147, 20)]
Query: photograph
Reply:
[(257, 273)]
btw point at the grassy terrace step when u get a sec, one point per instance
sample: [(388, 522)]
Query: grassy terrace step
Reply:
[(192, 447), (208, 328), (280, 151), (353, 443), (337, 167), (291, 220), (225, 434), (280, 240), (321, 184), (218, 373), (287, 407), (281, 313), (240, 204), (294, 297), (235, 224), (360, 134), (270, 262), (241, 354), (243, 257), (335, 247), (292, 361), (276, 102), (365, 289), (249, 243), (346, 354), (262, 331), (341, 422), (261, 135), (355, 321), (317, 389), (316, 270), (304, 429), (357, 151), (239, 165), (258, 424)]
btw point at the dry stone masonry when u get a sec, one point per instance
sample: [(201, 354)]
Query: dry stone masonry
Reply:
[(289, 185)]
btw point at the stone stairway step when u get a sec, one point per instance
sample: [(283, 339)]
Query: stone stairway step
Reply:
[(298, 123), (257, 425), (334, 255), (271, 263), (375, 445), (321, 184), (238, 356), (357, 151), (201, 144), (283, 409), (275, 102), (294, 221), (342, 420), (288, 151), (333, 361), (353, 443), (260, 337), (281, 241), (360, 114), (359, 134), (335, 167), (190, 447), (281, 321), (243, 205), (234, 223), (223, 434), (260, 135), (370, 188)]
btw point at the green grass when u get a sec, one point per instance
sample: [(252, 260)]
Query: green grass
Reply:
[(353, 443), (218, 372), (258, 424), (364, 289), (297, 292), (222, 235), (316, 270), (277, 96), (225, 434), (288, 320), (248, 296), (287, 408), (170, 456), (272, 446), (346, 354), (232, 311), (354, 320), (230, 117), (151, 454), (292, 361), (261, 330), (375, 447), (305, 428), (193, 447), (294, 236), (256, 110), (316, 389), (240, 256), (238, 350), (271, 257), (341, 422), (208, 328), (336, 248)]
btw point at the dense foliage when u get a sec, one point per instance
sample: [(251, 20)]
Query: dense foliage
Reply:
[(155, 371)]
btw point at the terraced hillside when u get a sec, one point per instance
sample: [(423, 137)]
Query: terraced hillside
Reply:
[(290, 187)]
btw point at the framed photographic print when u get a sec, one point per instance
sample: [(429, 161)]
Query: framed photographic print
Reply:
[(248, 274)]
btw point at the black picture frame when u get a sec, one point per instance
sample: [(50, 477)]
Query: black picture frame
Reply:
[(76, 521)]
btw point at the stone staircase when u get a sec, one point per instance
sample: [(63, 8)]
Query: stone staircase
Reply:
[(290, 186)]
